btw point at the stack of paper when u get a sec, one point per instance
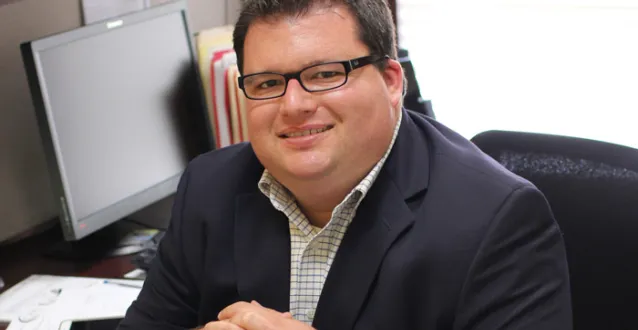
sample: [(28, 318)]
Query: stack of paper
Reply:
[(218, 68), (44, 302)]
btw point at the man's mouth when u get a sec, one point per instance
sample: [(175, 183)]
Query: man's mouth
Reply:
[(306, 132)]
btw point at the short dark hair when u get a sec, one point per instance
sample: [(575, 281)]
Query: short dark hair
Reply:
[(373, 18)]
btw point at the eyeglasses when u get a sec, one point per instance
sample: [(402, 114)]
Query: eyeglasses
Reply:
[(316, 78)]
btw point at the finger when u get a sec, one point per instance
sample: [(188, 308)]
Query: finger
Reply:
[(251, 315), (235, 308), (284, 314), (252, 320), (222, 325)]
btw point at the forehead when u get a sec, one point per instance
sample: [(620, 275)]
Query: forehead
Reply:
[(284, 44)]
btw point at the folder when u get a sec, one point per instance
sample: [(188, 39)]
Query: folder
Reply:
[(222, 122), (210, 42), (231, 79)]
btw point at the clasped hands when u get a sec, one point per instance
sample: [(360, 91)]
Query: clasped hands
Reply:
[(253, 316)]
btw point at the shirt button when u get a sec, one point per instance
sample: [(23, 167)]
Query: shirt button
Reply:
[(310, 314)]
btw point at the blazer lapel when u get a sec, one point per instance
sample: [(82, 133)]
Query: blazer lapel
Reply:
[(384, 214), (382, 217), (262, 252)]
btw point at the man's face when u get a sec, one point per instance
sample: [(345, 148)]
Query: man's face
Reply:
[(351, 126)]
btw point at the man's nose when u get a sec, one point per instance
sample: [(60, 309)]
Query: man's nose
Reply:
[(297, 101)]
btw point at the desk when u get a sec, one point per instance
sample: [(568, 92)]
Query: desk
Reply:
[(21, 259)]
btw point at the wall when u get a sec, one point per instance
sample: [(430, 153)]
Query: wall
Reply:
[(25, 195)]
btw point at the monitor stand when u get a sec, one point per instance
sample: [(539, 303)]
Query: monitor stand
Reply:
[(104, 243)]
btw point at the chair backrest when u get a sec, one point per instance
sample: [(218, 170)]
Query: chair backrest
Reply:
[(592, 188)]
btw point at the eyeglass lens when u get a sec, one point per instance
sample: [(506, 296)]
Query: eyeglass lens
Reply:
[(316, 78)]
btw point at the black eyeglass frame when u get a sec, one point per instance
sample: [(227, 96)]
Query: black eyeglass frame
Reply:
[(349, 66)]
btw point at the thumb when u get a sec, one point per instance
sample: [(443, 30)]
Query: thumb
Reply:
[(284, 314)]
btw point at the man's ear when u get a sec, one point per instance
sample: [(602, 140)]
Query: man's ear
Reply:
[(393, 77)]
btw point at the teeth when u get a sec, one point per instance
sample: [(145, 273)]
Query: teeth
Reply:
[(307, 132)]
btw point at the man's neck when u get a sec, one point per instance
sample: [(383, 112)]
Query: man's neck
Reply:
[(317, 218), (317, 204), (317, 200)]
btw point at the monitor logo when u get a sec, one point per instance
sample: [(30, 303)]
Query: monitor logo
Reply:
[(114, 24)]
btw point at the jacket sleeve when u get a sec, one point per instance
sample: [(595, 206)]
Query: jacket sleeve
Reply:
[(519, 277), (169, 297)]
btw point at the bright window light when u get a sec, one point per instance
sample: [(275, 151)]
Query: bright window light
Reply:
[(560, 67)]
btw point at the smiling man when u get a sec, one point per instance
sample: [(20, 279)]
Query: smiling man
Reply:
[(346, 211)]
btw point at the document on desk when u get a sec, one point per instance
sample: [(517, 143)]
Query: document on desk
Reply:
[(44, 301)]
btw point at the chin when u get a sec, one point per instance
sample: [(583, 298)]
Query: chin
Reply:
[(305, 173), (307, 168)]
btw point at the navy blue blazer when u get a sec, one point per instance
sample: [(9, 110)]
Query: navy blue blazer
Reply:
[(445, 239)]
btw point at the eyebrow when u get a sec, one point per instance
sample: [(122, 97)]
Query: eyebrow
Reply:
[(303, 66), (315, 62)]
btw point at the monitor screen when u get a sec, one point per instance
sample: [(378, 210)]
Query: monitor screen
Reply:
[(107, 113)]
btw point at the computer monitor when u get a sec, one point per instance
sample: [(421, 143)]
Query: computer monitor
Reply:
[(109, 101)]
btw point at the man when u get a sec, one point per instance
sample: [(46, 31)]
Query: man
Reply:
[(346, 211)]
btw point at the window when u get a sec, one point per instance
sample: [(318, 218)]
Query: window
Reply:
[(564, 67)]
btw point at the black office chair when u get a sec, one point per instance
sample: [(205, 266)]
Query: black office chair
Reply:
[(592, 188)]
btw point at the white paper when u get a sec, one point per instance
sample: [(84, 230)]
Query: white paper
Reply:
[(44, 302), (98, 10), (136, 274)]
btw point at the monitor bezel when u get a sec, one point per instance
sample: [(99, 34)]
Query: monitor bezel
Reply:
[(75, 228)]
